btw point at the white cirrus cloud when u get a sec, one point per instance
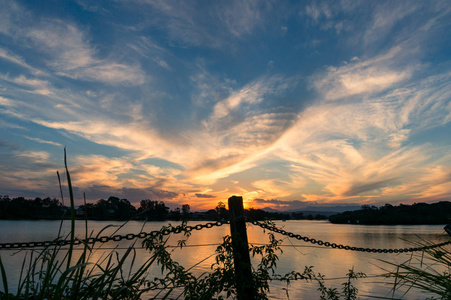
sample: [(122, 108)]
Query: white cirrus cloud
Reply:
[(187, 23), (361, 77), (65, 42), (110, 73), (6, 55), (73, 56), (65, 48), (41, 141), (6, 102), (366, 149), (246, 98)]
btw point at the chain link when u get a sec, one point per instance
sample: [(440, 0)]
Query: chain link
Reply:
[(179, 229), (115, 238), (339, 246)]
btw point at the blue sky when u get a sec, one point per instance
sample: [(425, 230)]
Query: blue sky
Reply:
[(286, 103)]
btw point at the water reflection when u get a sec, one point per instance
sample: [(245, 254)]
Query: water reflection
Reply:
[(334, 263)]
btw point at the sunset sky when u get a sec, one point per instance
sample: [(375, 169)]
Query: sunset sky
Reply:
[(286, 103)]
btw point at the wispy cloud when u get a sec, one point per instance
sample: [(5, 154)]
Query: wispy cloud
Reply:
[(66, 43), (111, 73), (149, 49), (357, 149), (66, 49), (210, 88), (11, 125), (272, 188), (15, 59), (386, 17), (73, 56), (43, 141), (361, 77), (30, 85), (29, 173), (199, 195), (238, 131), (6, 102), (281, 204), (316, 11), (187, 23), (219, 148)]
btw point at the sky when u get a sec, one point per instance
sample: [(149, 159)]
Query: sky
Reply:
[(286, 103)]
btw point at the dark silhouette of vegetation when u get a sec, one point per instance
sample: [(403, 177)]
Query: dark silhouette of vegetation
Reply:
[(115, 208), (418, 213), (220, 282), (153, 210), (38, 208)]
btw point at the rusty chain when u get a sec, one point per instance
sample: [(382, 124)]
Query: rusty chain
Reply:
[(179, 229), (115, 238), (344, 247)]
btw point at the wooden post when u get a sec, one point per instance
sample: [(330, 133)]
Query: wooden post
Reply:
[(242, 261)]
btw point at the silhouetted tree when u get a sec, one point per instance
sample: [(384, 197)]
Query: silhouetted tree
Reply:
[(221, 211), (38, 208), (185, 210), (154, 210), (175, 214)]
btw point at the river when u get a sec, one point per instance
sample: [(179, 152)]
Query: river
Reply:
[(333, 263)]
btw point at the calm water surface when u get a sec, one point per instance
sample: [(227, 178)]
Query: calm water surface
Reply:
[(333, 263)]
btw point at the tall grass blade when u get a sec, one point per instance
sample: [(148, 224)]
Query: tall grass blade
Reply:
[(65, 279), (21, 274), (4, 279), (79, 274), (72, 211), (62, 200)]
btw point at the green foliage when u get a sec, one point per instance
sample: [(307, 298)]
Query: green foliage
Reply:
[(428, 271), (54, 273), (348, 292), (47, 277), (220, 282)]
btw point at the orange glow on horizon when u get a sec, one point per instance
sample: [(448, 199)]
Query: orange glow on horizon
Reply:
[(245, 205)]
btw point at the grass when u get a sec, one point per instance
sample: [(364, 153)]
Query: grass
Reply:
[(55, 273), (428, 271), (49, 276)]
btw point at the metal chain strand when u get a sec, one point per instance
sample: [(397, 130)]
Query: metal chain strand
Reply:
[(115, 238), (339, 246)]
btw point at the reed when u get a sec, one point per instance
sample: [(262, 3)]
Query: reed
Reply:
[(428, 271), (56, 272)]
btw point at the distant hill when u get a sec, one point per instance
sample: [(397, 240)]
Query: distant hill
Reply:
[(315, 212), (336, 209), (318, 210), (269, 209), (418, 213)]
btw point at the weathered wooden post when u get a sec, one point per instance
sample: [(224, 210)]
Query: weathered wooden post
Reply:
[(242, 260)]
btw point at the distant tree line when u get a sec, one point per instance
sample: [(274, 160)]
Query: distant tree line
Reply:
[(38, 208), (418, 213), (111, 209), (259, 214), (115, 208)]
